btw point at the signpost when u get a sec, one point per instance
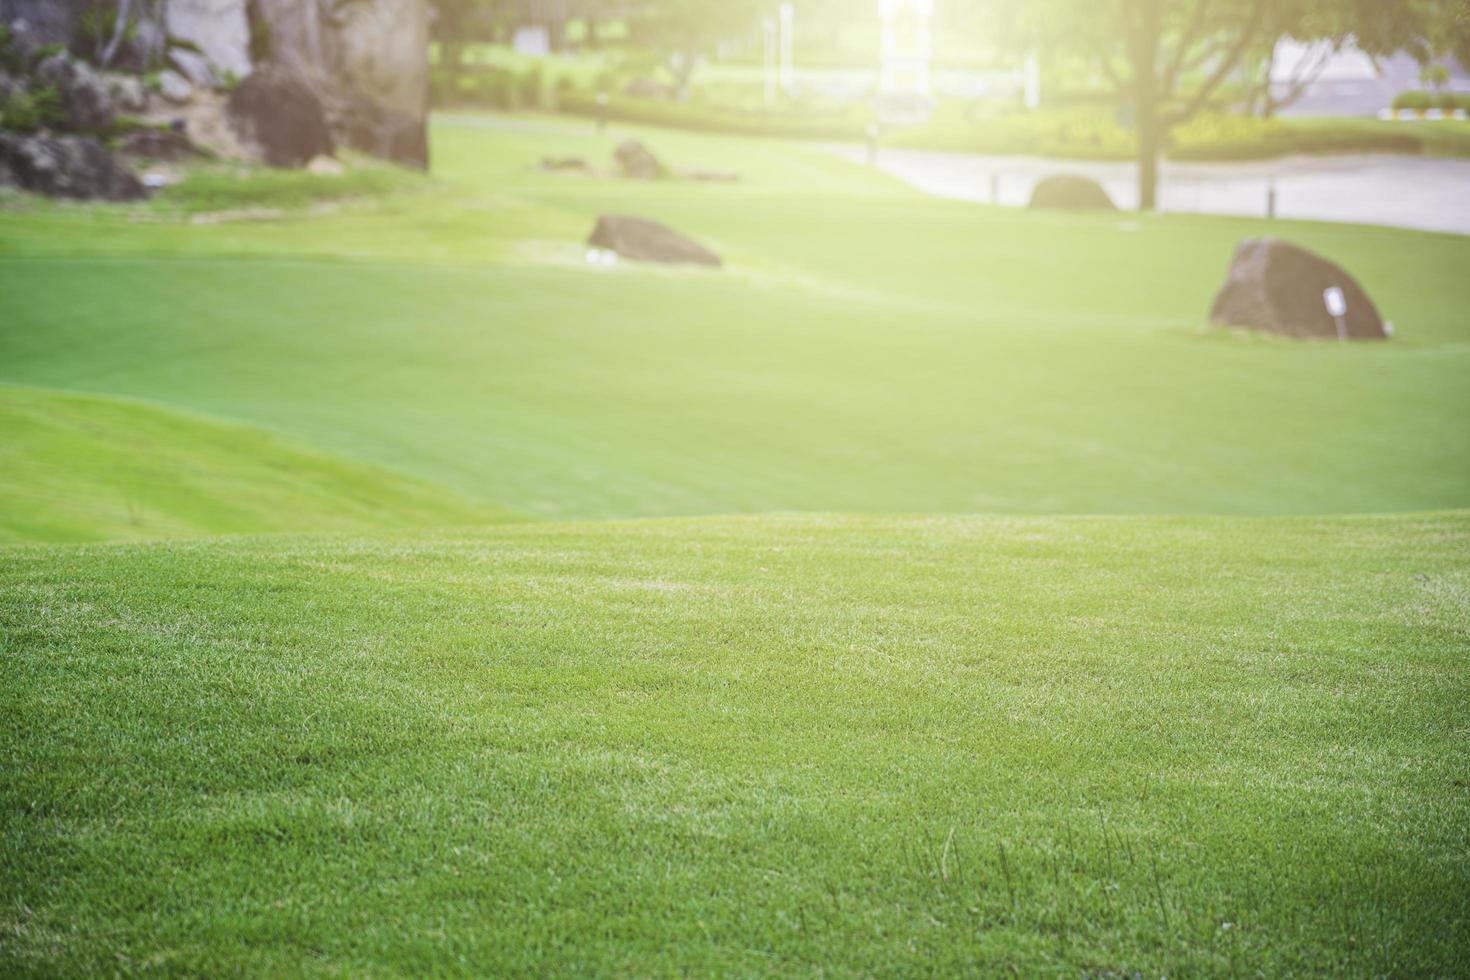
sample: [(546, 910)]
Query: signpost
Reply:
[(1337, 307)]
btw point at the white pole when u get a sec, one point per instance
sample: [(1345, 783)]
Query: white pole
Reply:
[(768, 32), (1031, 82), (788, 22)]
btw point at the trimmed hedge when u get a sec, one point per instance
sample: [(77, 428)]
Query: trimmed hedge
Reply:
[(1420, 101), (790, 122)]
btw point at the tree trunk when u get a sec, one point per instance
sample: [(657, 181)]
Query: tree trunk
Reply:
[(1144, 36)]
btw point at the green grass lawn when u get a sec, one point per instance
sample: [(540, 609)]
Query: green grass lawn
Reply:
[(867, 349), (1216, 728), (784, 745), (81, 468)]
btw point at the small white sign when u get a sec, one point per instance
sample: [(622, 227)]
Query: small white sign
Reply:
[(1336, 302)]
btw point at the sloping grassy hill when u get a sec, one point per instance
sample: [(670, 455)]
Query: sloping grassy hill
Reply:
[(766, 745), (78, 468), (867, 350)]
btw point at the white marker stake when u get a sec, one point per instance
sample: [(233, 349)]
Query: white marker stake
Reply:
[(1337, 306)]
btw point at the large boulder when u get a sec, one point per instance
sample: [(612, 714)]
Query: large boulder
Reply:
[(159, 145), (41, 21), (648, 241), (193, 66), (1281, 288), (367, 60), (74, 24), (174, 87), (1067, 192), (86, 99), (637, 162), (278, 113), (379, 129), (218, 28), (67, 166), (128, 93)]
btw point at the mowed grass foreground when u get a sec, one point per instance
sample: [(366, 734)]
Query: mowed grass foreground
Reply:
[(762, 745)]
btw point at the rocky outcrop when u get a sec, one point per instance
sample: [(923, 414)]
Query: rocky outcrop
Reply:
[(67, 166), (367, 62), (637, 162), (1071, 193), (1284, 289), (279, 114), (86, 100), (47, 21), (218, 28), (169, 145), (648, 241)]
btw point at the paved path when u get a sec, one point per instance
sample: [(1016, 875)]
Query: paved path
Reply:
[(1408, 192)]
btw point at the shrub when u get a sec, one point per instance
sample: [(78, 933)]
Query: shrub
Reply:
[(530, 89), (792, 122), (223, 190), (1414, 101), (26, 112)]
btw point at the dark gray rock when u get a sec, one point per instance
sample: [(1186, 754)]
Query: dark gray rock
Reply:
[(85, 99), (637, 162), (566, 165), (127, 92), (648, 241), (33, 23), (378, 129), (1068, 192), (367, 60), (193, 66), (67, 166), (1281, 288), (175, 87), (280, 114), (166, 145), (711, 176)]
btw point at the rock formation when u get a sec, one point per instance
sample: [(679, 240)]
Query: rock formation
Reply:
[(648, 241), (66, 166), (1071, 193), (1281, 288), (366, 60)]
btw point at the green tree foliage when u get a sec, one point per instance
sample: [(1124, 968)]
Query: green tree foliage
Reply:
[(682, 31), (1169, 59)]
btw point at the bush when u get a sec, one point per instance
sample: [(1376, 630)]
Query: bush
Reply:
[(1419, 101), (1225, 137), (1080, 132), (223, 190), (789, 121), (530, 89), (1413, 101), (26, 112), (485, 87)]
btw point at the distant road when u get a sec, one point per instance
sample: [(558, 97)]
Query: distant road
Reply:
[(1408, 192)]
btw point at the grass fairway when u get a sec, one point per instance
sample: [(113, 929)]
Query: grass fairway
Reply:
[(81, 468), (762, 745), (708, 707), (868, 350)]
